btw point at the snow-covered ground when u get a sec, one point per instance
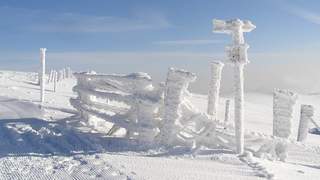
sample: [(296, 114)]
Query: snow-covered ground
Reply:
[(51, 143)]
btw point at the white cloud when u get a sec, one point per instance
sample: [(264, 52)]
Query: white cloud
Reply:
[(70, 22), (305, 14), (188, 42), (44, 21)]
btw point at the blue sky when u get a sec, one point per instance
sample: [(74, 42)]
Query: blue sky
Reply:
[(146, 25), (141, 35)]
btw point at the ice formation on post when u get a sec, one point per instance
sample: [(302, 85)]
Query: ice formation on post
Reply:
[(227, 112), (43, 73), (55, 79), (237, 54), (214, 89), (175, 91), (127, 101), (306, 115), (283, 103), (182, 124)]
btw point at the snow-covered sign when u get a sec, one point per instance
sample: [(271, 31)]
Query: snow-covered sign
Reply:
[(237, 52), (237, 55)]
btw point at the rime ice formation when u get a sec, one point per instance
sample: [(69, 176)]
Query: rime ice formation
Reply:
[(55, 79), (69, 72), (283, 102), (306, 115), (128, 101), (182, 123), (175, 91), (227, 112), (237, 54), (214, 88), (42, 73)]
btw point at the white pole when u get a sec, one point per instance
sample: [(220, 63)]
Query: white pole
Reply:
[(60, 75), (64, 73), (43, 73), (227, 112), (68, 72), (237, 55), (305, 116), (214, 89), (238, 106), (55, 79)]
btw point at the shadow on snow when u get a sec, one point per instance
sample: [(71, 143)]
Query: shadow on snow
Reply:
[(37, 137)]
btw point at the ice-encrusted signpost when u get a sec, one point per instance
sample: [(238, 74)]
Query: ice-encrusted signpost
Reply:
[(214, 89), (237, 54), (42, 73)]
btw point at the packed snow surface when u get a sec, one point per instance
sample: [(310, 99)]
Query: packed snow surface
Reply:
[(50, 142)]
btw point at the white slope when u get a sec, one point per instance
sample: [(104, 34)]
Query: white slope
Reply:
[(49, 143)]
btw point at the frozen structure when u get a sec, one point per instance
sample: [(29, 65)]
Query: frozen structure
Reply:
[(69, 73), (42, 73), (227, 112), (65, 73), (129, 101), (163, 115), (184, 125), (237, 55), (55, 80), (306, 115), (283, 103), (214, 89)]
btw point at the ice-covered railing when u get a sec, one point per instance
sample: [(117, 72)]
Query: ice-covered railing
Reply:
[(144, 111), (127, 101)]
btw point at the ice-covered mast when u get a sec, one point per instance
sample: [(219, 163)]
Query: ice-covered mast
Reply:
[(42, 73), (237, 54)]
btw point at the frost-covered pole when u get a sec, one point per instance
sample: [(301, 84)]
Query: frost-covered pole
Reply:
[(43, 73), (176, 85), (226, 112), (283, 103), (55, 79), (305, 116), (237, 54), (69, 73), (214, 89)]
